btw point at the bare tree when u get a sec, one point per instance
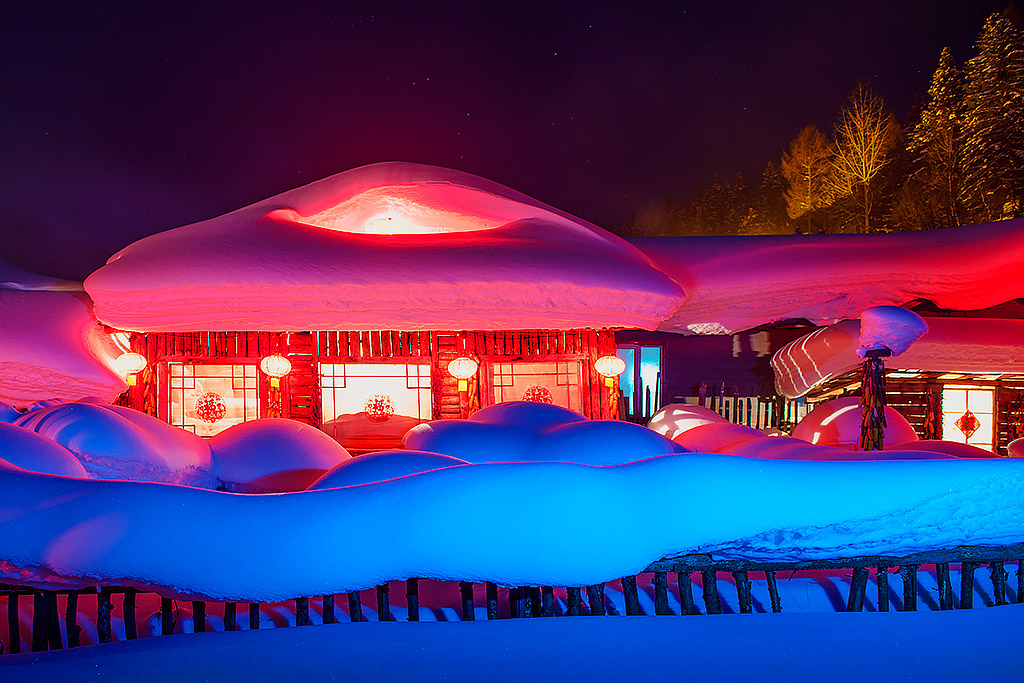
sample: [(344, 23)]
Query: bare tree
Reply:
[(865, 136), (806, 167)]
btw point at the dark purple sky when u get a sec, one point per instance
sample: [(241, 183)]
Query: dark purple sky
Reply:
[(122, 120)]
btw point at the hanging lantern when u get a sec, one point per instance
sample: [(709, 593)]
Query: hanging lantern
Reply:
[(609, 367), (211, 407), (538, 394), (462, 368), (379, 407), (275, 366), (129, 364)]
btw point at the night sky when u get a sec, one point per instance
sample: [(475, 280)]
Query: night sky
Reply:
[(126, 119)]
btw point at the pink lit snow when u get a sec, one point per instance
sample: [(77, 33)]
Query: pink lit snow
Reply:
[(385, 246), (737, 283)]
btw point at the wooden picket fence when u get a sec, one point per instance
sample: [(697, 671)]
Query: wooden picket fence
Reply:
[(540, 601)]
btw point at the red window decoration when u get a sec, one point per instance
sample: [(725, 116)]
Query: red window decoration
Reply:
[(379, 407), (538, 394), (968, 424), (211, 407)]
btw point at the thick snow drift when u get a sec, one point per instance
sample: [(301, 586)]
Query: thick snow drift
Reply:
[(385, 246), (838, 423), (26, 449), (273, 455), (676, 418), (519, 431), (51, 346), (889, 328), (963, 344), (113, 442), (383, 465), (736, 283), (63, 531)]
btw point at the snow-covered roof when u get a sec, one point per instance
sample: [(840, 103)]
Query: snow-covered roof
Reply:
[(52, 347), (385, 246), (737, 283), (973, 345)]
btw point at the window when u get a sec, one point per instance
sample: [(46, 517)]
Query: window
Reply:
[(209, 398), (967, 415), (370, 406), (640, 382), (556, 382)]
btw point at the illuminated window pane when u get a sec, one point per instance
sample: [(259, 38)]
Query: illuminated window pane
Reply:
[(556, 382), (628, 354), (209, 398), (370, 406), (972, 409)]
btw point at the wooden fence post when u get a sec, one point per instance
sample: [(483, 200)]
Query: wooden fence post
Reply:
[(743, 595), (573, 601), (998, 582), (685, 593), (131, 627), (595, 599), (661, 593), (858, 587), (71, 619), (103, 615), (712, 601), (468, 608), (967, 584), (412, 598), (909, 574), (631, 595), (773, 591)]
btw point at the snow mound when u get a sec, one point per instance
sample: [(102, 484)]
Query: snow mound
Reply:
[(960, 450), (521, 431), (789, 448), (8, 413), (889, 327), (737, 283), (60, 531), (383, 465), (838, 423), (273, 455), (676, 418), (386, 246), (52, 347), (25, 449), (114, 442), (715, 436)]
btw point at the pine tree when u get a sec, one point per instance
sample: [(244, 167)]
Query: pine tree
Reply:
[(935, 144), (805, 166), (993, 124)]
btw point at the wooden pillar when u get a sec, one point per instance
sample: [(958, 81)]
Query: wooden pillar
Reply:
[(909, 574), (998, 582), (166, 616), (492, 600), (712, 601), (198, 616), (71, 619), (327, 608), (355, 607), (547, 607), (383, 603), (468, 608), (945, 586), (631, 595), (858, 588), (230, 616), (254, 616), (661, 593), (773, 591), (743, 592), (302, 612), (685, 593), (595, 598), (131, 627), (573, 601), (882, 579), (103, 615), (967, 570)]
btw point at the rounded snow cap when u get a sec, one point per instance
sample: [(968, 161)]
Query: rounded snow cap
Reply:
[(889, 328)]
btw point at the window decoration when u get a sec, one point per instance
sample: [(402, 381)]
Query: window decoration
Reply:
[(211, 407), (967, 415), (379, 407), (207, 398), (538, 394), (525, 381)]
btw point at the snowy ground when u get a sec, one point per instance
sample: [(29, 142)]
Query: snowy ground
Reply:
[(931, 646)]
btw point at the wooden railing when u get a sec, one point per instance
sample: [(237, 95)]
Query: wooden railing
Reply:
[(540, 601)]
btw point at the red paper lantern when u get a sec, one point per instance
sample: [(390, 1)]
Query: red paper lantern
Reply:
[(211, 407), (538, 394), (379, 407)]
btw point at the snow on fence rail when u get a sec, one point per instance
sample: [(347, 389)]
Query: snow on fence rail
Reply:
[(544, 601)]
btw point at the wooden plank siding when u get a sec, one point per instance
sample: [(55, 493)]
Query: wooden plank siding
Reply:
[(300, 389)]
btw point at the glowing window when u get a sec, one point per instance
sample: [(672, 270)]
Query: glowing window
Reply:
[(209, 398), (967, 415), (370, 406), (556, 382), (641, 381)]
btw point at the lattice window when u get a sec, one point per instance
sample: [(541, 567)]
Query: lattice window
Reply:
[(207, 398), (967, 415), (372, 405), (555, 382)]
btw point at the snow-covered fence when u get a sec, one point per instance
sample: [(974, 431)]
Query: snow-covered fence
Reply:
[(666, 587)]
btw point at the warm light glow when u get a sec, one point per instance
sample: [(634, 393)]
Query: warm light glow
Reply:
[(610, 366), (123, 341), (463, 367), (127, 364), (275, 365)]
